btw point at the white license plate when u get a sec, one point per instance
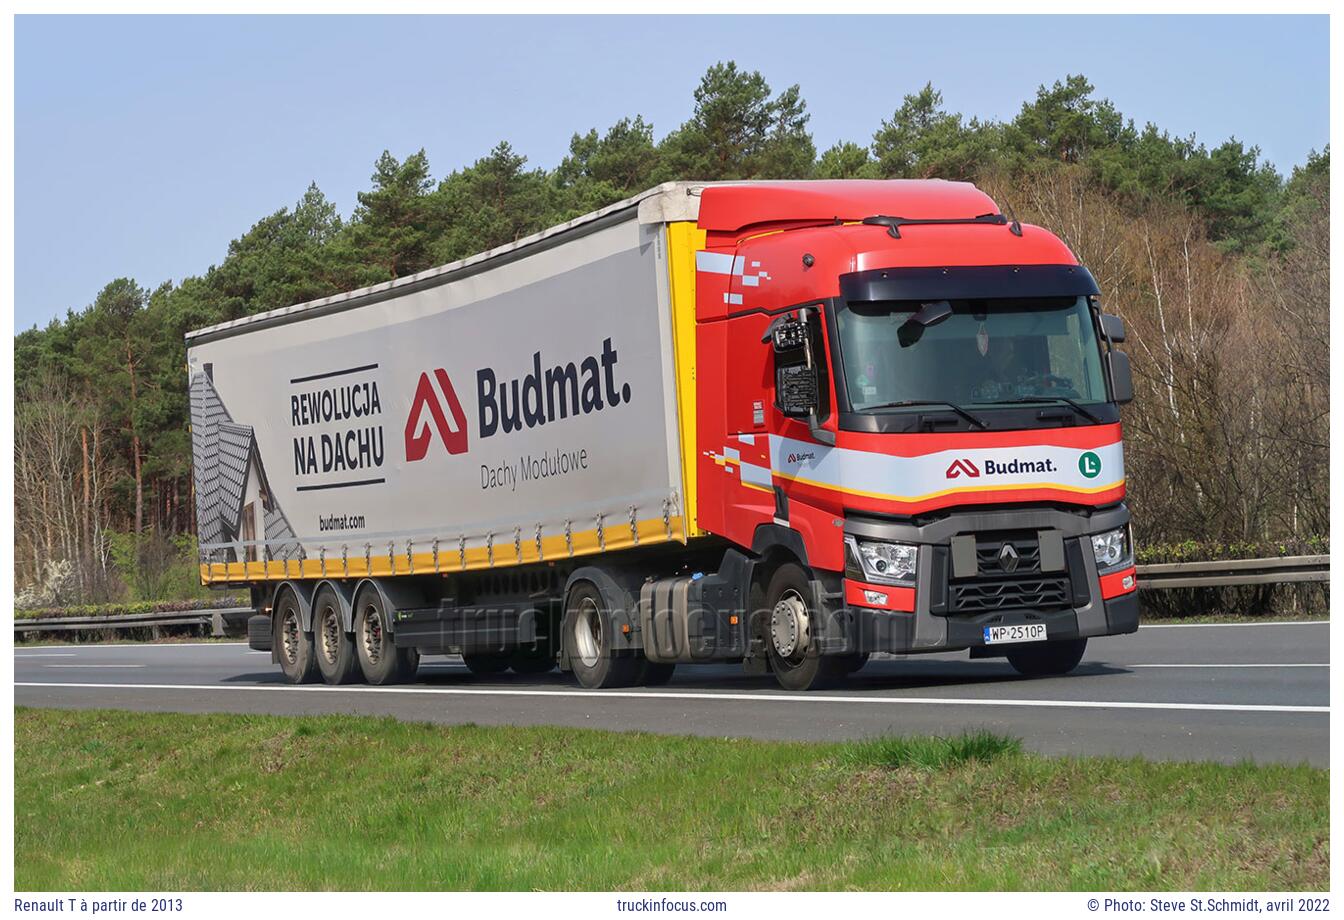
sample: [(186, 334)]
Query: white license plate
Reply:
[(1026, 632)]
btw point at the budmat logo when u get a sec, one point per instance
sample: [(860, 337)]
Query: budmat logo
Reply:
[(962, 467), (417, 437)]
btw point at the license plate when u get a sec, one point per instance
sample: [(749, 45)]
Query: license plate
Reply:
[(1026, 632)]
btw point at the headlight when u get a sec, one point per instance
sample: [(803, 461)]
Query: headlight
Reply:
[(888, 562), (1111, 548)]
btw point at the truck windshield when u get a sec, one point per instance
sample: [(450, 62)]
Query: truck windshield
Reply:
[(985, 352)]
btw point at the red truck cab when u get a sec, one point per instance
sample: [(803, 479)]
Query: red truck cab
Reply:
[(919, 399)]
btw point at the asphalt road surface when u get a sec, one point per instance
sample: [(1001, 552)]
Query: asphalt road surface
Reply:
[(1195, 692)]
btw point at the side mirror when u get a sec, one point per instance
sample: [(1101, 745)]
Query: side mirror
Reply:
[(785, 333), (1120, 376), (1112, 328)]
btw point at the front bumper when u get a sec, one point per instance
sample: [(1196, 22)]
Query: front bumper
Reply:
[(864, 617)]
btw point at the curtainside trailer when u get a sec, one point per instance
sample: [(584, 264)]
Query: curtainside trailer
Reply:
[(786, 424)]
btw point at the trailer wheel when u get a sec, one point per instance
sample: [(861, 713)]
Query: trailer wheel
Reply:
[(1048, 658), (335, 650), (484, 665), (298, 658), (588, 636), (380, 661), (789, 638)]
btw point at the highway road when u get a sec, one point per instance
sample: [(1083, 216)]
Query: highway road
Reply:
[(1193, 692)]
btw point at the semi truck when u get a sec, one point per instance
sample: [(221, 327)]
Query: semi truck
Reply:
[(782, 424)]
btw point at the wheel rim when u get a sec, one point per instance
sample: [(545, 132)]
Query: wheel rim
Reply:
[(289, 635), (790, 626), (372, 634), (588, 632), (331, 635)]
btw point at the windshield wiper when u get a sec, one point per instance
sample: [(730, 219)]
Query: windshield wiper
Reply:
[(906, 403), (1077, 407)]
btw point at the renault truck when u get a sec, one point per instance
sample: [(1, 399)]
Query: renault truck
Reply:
[(783, 424)]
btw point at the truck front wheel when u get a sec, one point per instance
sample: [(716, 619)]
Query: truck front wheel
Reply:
[(1048, 658), (790, 634), (589, 642), (380, 661), (294, 647)]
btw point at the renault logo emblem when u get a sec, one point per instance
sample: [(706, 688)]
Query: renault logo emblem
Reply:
[(1008, 558)]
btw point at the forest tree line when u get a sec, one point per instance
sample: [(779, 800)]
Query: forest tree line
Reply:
[(1218, 263)]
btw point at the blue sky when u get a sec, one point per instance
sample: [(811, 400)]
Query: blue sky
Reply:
[(145, 144)]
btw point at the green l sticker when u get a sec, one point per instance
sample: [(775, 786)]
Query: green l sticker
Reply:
[(1089, 464)]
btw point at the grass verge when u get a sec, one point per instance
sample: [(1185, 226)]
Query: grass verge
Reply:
[(109, 800)]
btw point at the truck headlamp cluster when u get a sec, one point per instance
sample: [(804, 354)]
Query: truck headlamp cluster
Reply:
[(888, 563), (1112, 549)]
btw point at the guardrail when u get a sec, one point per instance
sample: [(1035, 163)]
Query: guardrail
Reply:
[(1232, 572), (216, 618), (1223, 574)]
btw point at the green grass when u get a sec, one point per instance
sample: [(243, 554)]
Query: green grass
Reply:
[(925, 753), (136, 801)]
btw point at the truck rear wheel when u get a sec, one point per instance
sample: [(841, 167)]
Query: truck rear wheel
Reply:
[(1048, 658), (298, 658), (589, 642), (380, 661), (790, 638), (335, 650)]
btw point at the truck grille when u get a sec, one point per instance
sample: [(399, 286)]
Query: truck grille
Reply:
[(988, 594), (996, 588)]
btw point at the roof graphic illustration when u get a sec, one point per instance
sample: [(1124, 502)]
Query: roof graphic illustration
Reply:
[(222, 453)]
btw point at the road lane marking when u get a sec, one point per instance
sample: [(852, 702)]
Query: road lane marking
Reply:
[(95, 646), (1199, 625), (591, 695), (93, 666), (1295, 664), (48, 655)]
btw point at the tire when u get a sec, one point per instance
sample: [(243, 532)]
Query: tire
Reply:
[(656, 674), (293, 646), (334, 648), (589, 636), (1048, 658), (260, 633), (380, 661), (532, 662), (485, 665), (789, 641)]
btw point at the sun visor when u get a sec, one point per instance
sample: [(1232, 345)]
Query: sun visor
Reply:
[(975, 282)]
